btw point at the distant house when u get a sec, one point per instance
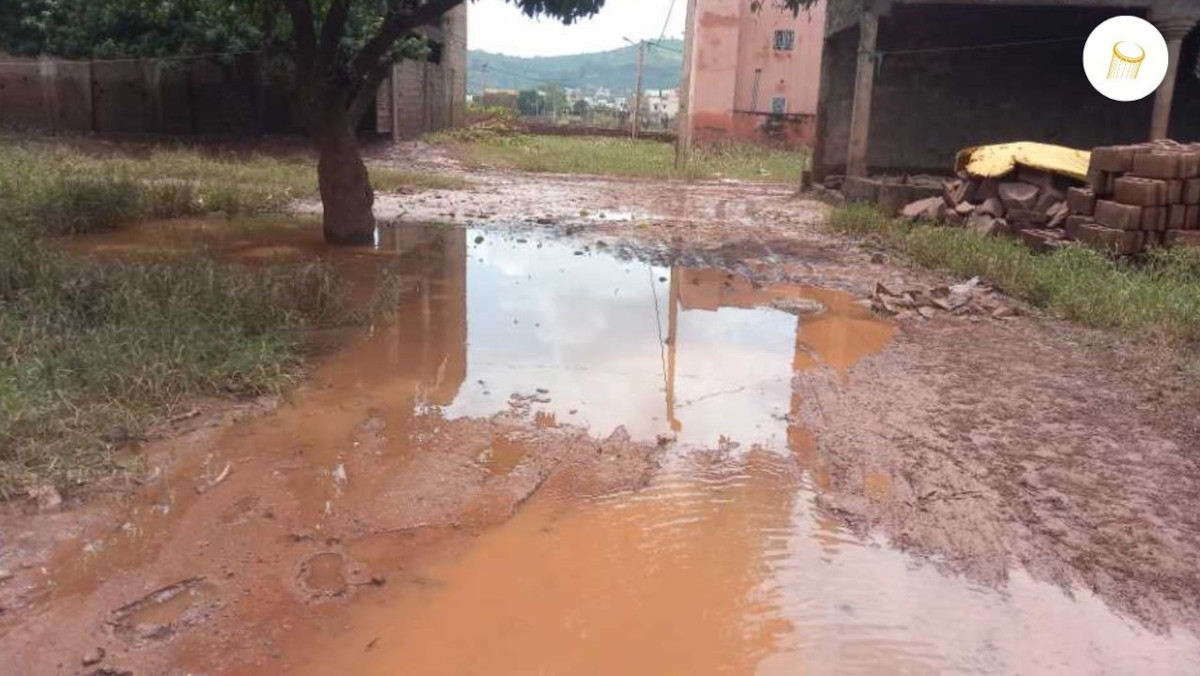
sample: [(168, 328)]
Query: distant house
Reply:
[(661, 106), (905, 84), (499, 98), (755, 74)]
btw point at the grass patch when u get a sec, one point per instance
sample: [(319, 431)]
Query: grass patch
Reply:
[(94, 349), (608, 156), (63, 188), (1155, 297)]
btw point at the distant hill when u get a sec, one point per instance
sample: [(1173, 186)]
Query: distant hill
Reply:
[(613, 69)]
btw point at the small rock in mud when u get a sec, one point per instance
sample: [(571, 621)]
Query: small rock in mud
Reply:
[(798, 306), (5, 575), (95, 656), (47, 498)]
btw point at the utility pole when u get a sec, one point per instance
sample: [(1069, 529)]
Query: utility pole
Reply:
[(683, 131), (637, 88)]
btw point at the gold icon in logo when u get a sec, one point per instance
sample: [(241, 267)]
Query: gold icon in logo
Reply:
[(1126, 61)]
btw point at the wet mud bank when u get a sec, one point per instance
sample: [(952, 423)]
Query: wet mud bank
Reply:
[(662, 434)]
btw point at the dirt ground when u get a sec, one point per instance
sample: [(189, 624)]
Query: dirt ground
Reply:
[(985, 448)]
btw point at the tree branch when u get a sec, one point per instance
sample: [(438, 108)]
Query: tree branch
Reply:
[(306, 39), (398, 24), (368, 90), (331, 32)]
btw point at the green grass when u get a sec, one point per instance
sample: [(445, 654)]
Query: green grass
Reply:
[(607, 156), (94, 350), (66, 187), (1156, 299)]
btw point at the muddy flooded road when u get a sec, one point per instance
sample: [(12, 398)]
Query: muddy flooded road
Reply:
[(558, 455)]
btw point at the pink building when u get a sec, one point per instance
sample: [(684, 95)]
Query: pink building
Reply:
[(755, 75)]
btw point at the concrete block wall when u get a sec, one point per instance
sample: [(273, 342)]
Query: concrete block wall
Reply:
[(206, 96), (928, 106), (21, 100)]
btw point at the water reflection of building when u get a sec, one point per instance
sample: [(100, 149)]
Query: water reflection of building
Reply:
[(837, 336)]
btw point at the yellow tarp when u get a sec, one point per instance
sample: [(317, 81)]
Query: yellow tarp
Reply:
[(1001, 158)]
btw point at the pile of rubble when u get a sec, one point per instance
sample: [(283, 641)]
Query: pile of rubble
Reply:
[(1136, 197), (1139, 196), (969, 298), (1027, 203)]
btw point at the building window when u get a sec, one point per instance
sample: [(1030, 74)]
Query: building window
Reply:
[(778, 105), (784, 40)]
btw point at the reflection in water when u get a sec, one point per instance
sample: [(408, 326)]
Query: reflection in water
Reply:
[(723, 565), (695, 354)]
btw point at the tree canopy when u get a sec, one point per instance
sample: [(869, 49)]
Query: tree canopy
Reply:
[(149, 28)]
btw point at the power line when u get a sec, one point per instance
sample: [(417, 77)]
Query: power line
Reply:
[(971, 48), (670, 9)]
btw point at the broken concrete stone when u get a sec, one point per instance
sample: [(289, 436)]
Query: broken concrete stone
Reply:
[(991, 206), (924, 209), (1081, 201), (1018, 196), (982, 223), (1042, 179), (1048, 197), (1022, 219), (1056, 215), (94, 656)]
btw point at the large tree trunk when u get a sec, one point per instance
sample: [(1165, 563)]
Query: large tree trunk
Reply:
[(346, 192)]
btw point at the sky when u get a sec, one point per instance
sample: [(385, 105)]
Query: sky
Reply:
[(499, 27)]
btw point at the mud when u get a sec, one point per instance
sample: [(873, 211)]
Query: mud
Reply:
[(634, 427)]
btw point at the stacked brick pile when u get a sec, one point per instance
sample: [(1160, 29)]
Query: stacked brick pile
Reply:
[(1138, 197)]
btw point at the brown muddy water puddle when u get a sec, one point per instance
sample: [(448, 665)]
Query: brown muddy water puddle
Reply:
[(723, 563)]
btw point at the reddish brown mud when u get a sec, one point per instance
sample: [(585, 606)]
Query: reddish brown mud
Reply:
[(621, 427)]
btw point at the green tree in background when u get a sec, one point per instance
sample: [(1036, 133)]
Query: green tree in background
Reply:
[(342, 51), (529, 102)]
